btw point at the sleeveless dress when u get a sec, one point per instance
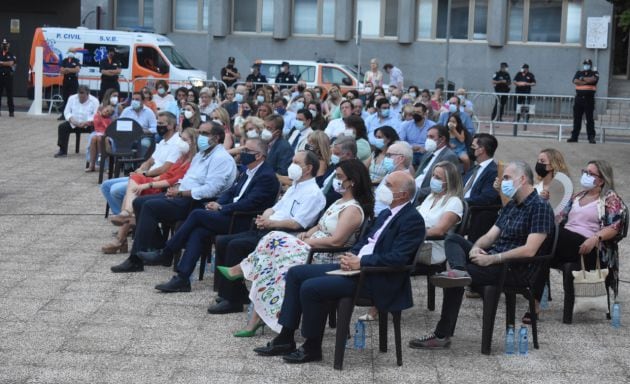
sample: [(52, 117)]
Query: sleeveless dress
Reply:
[(278, 251)]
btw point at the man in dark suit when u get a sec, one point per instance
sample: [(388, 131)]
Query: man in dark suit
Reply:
[(479, 191), (280, 154), (256, 188), (438, 150), (392, 240)]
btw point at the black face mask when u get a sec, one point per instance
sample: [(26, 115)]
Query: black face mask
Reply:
[(472, 156), (541, 169), (417, 118), (162, 129)]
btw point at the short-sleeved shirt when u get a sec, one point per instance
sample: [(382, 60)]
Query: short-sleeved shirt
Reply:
[(498, 76), (302, 203), (70, 62), (260, 78), (6, 56), (106, 64), (432, 216), (526, 77), (167, 151), (285, 78), (584, 89)]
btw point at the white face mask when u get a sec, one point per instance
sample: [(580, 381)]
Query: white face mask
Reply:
[(394, 100), (349, 132), (294, 172), (430, 145), (338, 186), (113, 100), (587, 181), (313, 112), (266, 134), (384, 195), (188, 114), (251, 134)]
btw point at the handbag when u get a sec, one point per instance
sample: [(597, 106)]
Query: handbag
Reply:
[(590, 289)]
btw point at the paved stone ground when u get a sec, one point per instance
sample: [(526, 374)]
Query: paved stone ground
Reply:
[(65, 318)]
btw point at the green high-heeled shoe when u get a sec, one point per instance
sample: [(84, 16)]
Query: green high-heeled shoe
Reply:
[(225, 271), (250, 333)]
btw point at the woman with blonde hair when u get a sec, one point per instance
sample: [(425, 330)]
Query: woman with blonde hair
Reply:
[(551, 166), (319, 143), (251, 128), (190, 117), (221, 116)]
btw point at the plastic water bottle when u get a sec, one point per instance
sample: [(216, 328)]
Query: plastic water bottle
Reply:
[(616, 315), (523, 341), (359, 335), (509, 340), (544, 300), (250, 312), (212, 266)]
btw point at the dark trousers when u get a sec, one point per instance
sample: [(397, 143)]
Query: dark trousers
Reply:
[(524, 101), (307, 293), (6, 84), (457, 249), (151, 210), (503, 99), (231, 250), (63, 134), (69, 88), (584, 105)]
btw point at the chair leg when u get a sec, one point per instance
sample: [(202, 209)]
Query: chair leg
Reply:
[(346, 306), (78, 142), (490, 303), (430, 294), (106, 210), (510, 309), (534, 317), (382, 331), (397, 338), (332, 316), (569, 293)]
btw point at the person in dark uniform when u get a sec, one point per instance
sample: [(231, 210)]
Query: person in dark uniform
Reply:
[(70, 67), (501, 81), (256, 78), (110, 69), (229, 73), (585, 87), (285, 76), (7, 61), (524, 81)]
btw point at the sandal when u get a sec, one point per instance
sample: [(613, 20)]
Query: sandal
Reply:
[(122, 218)]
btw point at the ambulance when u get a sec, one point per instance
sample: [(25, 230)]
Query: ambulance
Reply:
[(145, 58)]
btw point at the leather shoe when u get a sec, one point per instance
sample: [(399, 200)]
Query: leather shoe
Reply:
[(592, 140), (128, 266), (176, 284), (275, 350), (155, 258), (60, 154), (572, 140), (225, 307), (302, 356)]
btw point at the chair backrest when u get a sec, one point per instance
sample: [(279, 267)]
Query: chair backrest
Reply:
[(462, 226), (124, 133)]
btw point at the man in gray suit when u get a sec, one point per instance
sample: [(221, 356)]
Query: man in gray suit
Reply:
[(437, 146)]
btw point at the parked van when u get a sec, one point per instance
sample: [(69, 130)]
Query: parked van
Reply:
[(143, 55), (315, 73)]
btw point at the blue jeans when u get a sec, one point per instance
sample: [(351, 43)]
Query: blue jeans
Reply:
[(114, 192)]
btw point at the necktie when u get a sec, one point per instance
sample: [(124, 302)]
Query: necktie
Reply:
[(296, 141), (471, 180)]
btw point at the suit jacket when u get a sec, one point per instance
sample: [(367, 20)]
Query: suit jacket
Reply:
[(261, 193), (446, 154), (280, 156), (396, 246), (483, 192)]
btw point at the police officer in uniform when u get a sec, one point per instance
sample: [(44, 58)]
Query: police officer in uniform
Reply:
[(524, 81), (70, 67), (501, 81), (256, 77), (7, 61), (585, 87), (229, 73), (110, 70), (285, 76)]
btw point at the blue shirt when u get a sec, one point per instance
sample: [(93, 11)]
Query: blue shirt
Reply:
[(210, 174), (373, 122), (410, 132), (464, 117), (146, 118)]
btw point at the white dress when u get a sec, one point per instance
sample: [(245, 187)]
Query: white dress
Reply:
[(432, 217)]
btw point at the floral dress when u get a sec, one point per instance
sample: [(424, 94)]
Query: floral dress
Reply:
[(278, 251)]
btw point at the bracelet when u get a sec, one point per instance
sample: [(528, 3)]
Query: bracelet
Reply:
[(499, 256)]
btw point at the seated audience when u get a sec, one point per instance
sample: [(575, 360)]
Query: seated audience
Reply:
[(384, 137), (79, 112)]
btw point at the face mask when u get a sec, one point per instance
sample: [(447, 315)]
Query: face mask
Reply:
[(113, 100), (182, 146), (161, 91), (238, 98), (472, 156), (587, 67), (247, 158), (541, 169), (430, 145), (260, 99), (136, 104), (385, 113), (313, 112), (452, 125), (203, 143), (387, 93), (436, 185), (388, 164), (246, 112), (452, 108), (299, 125), (507, 188), (252, 134), (188, 114), (349, 132), (379, 143), (460, 97), (287, 98), (318, 95), (412, 95), (522, 70), (294, 172), (162, 129), (334, 159), (266, 134), (338, 186), (417, 117), (299, 105), (587, 181), (384, 194), (394, 99), (368, 90), (281, 111)]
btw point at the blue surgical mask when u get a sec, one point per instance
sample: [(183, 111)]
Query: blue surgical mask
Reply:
[(203, 143), (507, 188), (238, 98), (379, 143), (587, 67), (388, 164), (385, 113), (260, 99), (299, 105), (136, 104), (334, 159), (452, 108), (437, 186), (299, 125)]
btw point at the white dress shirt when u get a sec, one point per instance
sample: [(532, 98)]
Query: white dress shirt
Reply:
[(80, 112), (210, 174), (302, 203)]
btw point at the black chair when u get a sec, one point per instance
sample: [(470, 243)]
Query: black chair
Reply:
[(125, 134), (512, 287), (481, 219)]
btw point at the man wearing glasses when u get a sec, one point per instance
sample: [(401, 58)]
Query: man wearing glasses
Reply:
[(79, 113), (397, 158)]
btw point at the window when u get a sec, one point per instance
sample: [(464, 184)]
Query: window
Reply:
[(149, 58), (378, 17), (333, 75), (391, 18), (459, 19), (252, 16), (97, 52), (314, 17), (190, 15), (134, 13), (545, 21), (147, 14), (469, 19), (425, 18)]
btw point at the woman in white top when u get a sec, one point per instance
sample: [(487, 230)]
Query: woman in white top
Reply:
[(208, 100), (549, 167), (163, 98)]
